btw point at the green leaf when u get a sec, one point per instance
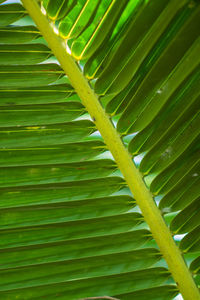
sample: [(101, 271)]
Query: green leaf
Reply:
[(57, 154), (18, 34), (52, 193), (187, 219), (45, 135), (153, 89), (195, 265), (83, 14), (106, 285), (138, 45), (57, 230), (46, 174), (159, 293), (29, 76), (175, 172), (40, 114), (95, 65), (64, 211), (10, 13), (70, 228), (183, 193), (68, 250), (191, 242), (35, 95), (23, 54), (179, 107), (94, 267)]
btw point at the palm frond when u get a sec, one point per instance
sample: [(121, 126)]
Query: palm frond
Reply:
[(70, 227)]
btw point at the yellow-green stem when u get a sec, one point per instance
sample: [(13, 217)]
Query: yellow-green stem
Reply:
[(123, 159)]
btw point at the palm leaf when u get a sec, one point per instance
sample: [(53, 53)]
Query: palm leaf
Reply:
[(77, 222)]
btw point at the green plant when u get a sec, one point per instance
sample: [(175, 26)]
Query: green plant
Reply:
[(70, 227)]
